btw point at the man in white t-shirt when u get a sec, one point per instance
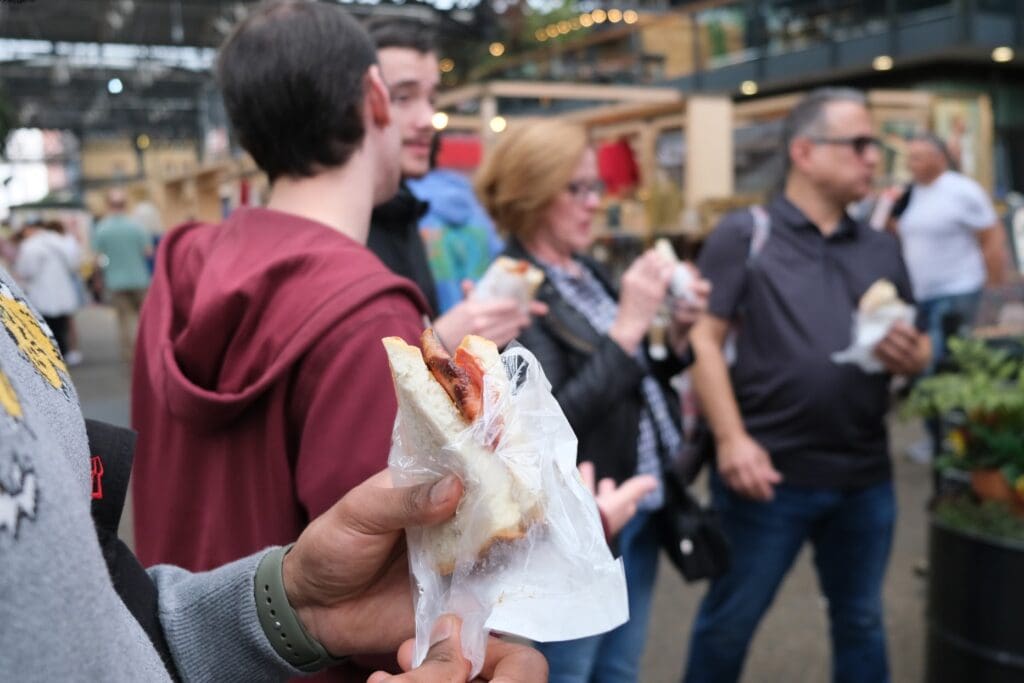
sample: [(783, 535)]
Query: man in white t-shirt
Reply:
[(953, 242), (953, 245)]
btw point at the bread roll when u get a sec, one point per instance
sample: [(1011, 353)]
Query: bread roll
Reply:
[(880, 294), (495, 505)]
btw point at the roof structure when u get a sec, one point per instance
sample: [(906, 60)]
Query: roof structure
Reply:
[(116, 67)]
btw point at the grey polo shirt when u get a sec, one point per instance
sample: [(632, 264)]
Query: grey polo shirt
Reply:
[(823, 423)]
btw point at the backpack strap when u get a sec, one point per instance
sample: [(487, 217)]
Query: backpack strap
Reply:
[(111, 450), (762, 229)]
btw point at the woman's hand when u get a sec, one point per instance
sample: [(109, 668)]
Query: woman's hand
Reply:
[(686, 311), (644, 286), (617, 503)]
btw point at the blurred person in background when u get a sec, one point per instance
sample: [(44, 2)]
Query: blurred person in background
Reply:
[(540, 183), (954, 245), (802, 447), (73, 356), (47, 266), (147, 215), (122, 247), (408, 62), (459, 236)]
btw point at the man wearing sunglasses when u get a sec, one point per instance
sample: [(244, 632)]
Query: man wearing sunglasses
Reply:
[(802, 448)]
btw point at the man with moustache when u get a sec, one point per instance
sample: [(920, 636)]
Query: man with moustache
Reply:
[(408, 61)]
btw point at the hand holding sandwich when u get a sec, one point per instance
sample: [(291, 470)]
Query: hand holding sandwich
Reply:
[(904, 350), (347, 576), (505, 663), (498, 319)]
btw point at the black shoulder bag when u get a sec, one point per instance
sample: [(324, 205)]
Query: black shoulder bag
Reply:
[(690, 533)]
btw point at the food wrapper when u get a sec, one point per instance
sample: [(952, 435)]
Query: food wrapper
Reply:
[(499, 283), (869, 328), (559, 581)]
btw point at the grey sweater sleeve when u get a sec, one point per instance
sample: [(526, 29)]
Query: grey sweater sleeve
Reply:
[(211, 625)]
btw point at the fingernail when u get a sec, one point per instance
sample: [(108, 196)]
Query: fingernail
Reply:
[(443, 490), (442, 631)]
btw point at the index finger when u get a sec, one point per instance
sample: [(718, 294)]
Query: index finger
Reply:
[(512, 663)]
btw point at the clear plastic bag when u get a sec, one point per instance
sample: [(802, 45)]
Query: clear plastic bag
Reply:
[(869, 328), (557, 580)]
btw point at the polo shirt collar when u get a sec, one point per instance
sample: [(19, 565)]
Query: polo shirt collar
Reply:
[(790, 216)]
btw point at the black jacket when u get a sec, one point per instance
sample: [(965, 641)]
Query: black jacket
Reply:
[(596, 383), (395, 239)]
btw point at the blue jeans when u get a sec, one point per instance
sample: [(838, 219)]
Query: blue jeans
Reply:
[(614, 657), (932, 312), (851, 532)]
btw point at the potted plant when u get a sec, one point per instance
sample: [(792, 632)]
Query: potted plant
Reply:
[(981, 404), (976, 539)]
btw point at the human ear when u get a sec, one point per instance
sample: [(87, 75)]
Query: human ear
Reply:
[(377, 98)]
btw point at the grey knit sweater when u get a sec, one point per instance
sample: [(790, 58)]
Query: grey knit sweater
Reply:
[(60, 618)]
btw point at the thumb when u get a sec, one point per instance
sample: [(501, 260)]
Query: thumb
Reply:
[(444, 662), (373, 509), (635, 488), (467, 287)]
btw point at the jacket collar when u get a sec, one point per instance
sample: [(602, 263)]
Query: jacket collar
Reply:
[(402, 210), (563, 320)]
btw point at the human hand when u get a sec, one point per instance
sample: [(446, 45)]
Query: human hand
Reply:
[(644, 286), (904, 350), (504, 662), (617, 503), (747, 468), (347, 577), (499, 320), (685, 312)]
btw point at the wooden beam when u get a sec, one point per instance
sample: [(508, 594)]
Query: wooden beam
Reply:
[(900, 98), (581, 91), (466, 93), (709, 170), (624, 112), (766, 107), (463, 122)]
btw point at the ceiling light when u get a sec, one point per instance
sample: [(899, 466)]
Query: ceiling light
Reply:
[(748, 88), (446, 65), (1002, 54), (142, 142), (439, 120), (496, 49), (115, 86), (498, 124), (882, 63)]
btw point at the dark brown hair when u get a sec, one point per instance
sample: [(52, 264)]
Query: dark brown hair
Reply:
[(292, 75)]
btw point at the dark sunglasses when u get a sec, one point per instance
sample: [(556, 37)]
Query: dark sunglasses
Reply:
[(860, 143)]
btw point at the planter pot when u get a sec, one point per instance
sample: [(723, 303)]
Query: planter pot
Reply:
[(975, 598), (992, 485)]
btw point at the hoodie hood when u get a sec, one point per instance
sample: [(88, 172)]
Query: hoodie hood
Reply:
[(450, 195), (233, 306)]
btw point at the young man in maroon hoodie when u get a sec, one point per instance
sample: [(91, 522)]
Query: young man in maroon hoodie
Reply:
[(261, 390)]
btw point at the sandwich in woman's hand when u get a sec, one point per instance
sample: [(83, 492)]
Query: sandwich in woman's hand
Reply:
[(450, 411)]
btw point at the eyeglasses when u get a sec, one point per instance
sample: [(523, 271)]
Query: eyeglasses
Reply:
[(582, 189), (859, 143)]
